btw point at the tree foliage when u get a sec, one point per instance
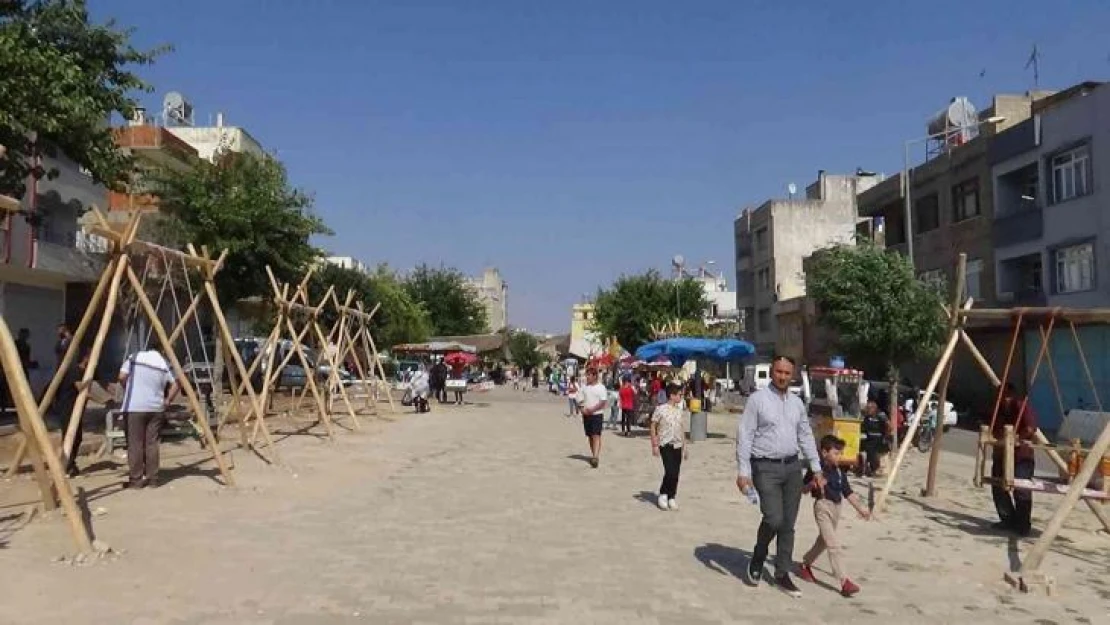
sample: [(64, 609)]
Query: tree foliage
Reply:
[(628, 309), (398, 319), (246, 205), (878, 310), (452, 305), (524, 348), (61, 78)]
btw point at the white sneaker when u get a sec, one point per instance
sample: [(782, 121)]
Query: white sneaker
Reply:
[(673, 503), (662, 502)]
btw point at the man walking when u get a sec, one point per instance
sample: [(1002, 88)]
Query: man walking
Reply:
[(145, 378), (773, 430), (1015, 510), (592, 399)]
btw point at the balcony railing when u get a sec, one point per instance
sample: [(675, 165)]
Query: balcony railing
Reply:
[(1024, 225)]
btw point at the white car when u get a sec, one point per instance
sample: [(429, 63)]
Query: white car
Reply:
[(951, 417)]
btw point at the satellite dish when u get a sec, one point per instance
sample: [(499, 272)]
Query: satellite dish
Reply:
[(177, 110), (678, 261), (792, 189)]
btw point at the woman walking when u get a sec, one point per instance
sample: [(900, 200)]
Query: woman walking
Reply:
[(668, 433), (572, 394)]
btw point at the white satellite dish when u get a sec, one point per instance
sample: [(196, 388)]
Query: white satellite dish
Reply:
[(176, 110), (678, 261), (791, 189)]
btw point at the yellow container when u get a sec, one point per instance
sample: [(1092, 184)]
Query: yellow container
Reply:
[(846, 429), (695, 404)]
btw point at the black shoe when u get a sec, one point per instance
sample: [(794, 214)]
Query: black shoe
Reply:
[(1002, 526), (754, 572), (73, 472), (594, 462), (786, 585)]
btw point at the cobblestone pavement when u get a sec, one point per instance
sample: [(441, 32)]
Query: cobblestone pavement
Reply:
[(489, 514)]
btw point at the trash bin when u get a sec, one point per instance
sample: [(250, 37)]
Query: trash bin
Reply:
[(699, 426)]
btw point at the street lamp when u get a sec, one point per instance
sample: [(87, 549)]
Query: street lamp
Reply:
[(907, 192)]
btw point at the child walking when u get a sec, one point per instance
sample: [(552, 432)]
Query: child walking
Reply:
[(667, 436), (826, 510)]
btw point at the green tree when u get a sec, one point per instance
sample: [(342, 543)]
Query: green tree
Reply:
[(61, 78), (524, 349), (246, 205), (633, 304), (398, 319), (879, 311), (453, 306)]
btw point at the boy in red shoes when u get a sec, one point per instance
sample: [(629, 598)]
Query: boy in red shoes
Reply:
[(826, 509)]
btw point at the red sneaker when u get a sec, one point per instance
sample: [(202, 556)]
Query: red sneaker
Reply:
[(849, 589), (806, 573)]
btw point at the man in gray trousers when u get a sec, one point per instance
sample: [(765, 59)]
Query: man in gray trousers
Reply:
[(773, 431)]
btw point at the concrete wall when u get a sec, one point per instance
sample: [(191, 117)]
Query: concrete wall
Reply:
[(209, 140)]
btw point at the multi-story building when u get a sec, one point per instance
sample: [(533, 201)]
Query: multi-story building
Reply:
[(1051, 208), (47, 265), (772, 240), (952, 202), (493, 292), (721, 302), (347, 262), (154, 148), (209, 141), (584, 339)]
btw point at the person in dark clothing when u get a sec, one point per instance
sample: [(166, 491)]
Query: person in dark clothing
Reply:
[(438, 381), (65, 337), (23, 348), (873, 436), (1015, 509), (63, 407)]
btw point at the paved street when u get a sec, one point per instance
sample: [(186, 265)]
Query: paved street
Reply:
[(489, 514)]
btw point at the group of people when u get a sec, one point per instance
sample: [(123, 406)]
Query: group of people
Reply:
[(779, 461)]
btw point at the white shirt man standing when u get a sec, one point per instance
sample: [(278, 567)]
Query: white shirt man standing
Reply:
[(772, 433), (145, 377), (592, 400)]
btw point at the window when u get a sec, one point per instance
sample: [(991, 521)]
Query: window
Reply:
[(763, 320), (965, 200), (1075, 268), (761, 239), (1071, 174), (927, 213), (974, 276), (933, 277), (763, 278)]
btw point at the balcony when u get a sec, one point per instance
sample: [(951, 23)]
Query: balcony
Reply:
[(1021, 226), (1021, 281), (69, 263)]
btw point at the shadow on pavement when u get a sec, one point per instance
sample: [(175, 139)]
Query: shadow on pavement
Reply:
[(724, 560), (581, 457)]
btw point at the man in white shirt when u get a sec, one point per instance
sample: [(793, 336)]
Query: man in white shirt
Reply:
[(145, 377), (592, 400)]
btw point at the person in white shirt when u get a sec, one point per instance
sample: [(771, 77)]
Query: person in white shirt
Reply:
[(592, 399), (668, 433), (145, 377)]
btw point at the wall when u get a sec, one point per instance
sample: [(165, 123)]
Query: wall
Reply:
[(1075, 390), (209, 140), (493, 292)]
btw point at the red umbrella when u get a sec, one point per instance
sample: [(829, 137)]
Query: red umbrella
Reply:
[(459, 359), (604, 360)]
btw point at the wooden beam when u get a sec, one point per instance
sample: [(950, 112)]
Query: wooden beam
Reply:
[(145, 247), (1078, 315), (942, 400)]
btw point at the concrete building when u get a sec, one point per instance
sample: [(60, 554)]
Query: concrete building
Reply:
[(772, 240), (1052, 208), (348, 262), (493, 292), (952, 199), (47, 265), (209, 141), (721, 308), (584, 340), (153, 147)]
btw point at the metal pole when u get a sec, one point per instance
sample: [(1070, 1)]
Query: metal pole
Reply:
[(908, 207)]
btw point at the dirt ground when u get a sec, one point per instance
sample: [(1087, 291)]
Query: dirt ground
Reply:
[(488, 514)]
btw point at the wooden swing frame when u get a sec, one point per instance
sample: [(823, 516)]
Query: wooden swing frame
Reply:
[(353, 331), (119, 274), (958, 317)]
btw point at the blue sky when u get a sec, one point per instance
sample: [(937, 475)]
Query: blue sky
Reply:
[(570, 142)]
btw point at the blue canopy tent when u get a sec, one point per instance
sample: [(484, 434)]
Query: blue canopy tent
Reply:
[(681, 349)]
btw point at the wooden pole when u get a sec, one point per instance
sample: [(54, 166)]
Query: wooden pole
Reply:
[(179, 374), (1036, 555), (30, 421), (946, 355), (368, 338), (954, 323)]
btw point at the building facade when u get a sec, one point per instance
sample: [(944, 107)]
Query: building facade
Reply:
[(47, 265), (348, 262), (209, 141), (584, 339), (493, 292), (772, 241), (720, 301)]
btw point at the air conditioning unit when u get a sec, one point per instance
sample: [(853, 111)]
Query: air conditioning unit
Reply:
[(1006, 297)]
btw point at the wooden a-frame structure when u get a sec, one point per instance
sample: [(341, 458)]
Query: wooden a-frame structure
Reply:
[(351, 333), (119, 274), (1048, 318)]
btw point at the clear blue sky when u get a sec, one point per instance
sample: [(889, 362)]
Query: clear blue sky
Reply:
[(567, 142)]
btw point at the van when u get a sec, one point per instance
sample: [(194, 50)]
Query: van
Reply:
[(756, 377)]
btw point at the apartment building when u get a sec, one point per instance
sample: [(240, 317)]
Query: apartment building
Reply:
[(772, 241), (493, 292)]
